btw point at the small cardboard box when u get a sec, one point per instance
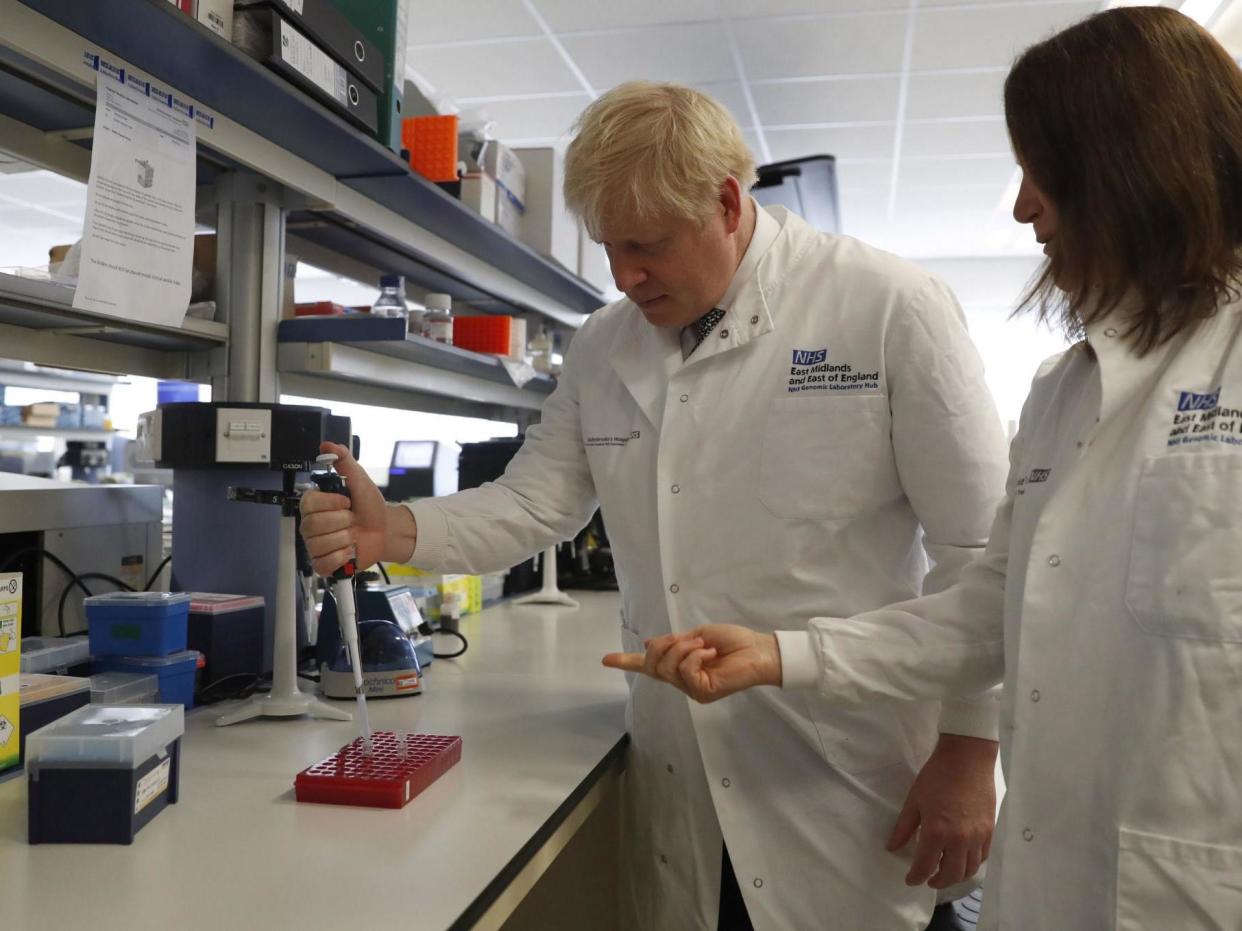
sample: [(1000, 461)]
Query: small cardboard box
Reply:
[(547, 227), (478, 192), (10, 668)]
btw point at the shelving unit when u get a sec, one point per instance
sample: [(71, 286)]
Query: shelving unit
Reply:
[(342, 197), (39, 324), (243, 95)]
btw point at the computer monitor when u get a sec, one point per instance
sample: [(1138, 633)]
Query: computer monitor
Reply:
[(412, 471)]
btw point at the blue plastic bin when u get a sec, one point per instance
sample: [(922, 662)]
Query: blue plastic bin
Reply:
[(137, 623), (175, 672)]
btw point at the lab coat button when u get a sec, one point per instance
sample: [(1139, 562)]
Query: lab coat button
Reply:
[(758, 883), (725, 782), (1028, 834), (1054, 560), (670, 767), (685, 398), (754, 319), (1034, 694), (676, 489), (724, 334), (674, 588)]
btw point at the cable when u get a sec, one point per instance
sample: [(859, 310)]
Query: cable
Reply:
[(206, 695), (383, 572), (55, 560), (465, 644), (80, 580), (156, 574)]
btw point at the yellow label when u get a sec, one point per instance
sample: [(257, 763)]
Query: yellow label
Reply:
[(10, 706), (10, 624)]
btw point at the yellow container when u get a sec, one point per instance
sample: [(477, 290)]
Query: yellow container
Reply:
[(10, 667), (474, 604)]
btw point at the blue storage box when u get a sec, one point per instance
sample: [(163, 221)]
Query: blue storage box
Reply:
[(176, 673), (137, 623)]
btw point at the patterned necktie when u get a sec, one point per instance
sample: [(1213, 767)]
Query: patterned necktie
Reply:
[(705, 324)]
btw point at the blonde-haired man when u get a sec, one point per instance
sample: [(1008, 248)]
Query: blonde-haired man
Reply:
[(766, 420)]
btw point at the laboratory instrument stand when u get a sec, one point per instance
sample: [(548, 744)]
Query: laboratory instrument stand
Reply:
[(549, 594), (285, 700)]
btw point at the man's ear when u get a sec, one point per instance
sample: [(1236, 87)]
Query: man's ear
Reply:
[(731, 203)]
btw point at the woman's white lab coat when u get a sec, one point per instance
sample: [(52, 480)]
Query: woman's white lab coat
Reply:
[(1116, 564), (780, 471)]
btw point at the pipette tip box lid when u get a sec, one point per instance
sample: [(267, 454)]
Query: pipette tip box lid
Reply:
[(400, 767), (137, 623), (101, 773)]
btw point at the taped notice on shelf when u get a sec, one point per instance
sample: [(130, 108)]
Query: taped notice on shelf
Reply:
[(520, 372), (151, 785), (138, 241)]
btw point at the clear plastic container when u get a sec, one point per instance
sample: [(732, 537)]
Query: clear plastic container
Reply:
[(540, 351), (107, 735), (438, 318), (124, 688), (391, 300), (49, 654)]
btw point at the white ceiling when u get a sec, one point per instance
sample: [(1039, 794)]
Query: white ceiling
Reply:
[(905, 93)]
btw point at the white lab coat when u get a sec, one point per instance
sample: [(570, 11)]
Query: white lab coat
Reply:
[(763, 479), (1110, 597)]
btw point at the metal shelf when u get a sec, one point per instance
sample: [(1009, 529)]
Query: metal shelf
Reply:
[(39, 324), (416, 374), (153, 36), (57, 380), (15, 432)]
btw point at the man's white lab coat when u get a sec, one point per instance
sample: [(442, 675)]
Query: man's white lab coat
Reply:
[(1110, 598), (781, 471)]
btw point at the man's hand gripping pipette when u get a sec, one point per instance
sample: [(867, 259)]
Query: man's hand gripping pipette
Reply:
[(343, 592)]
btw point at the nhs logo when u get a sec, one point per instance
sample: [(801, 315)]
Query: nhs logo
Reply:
[(809, 356), (1190, 401)]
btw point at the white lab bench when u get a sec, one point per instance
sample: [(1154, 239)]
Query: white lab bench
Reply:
[(543, 742)]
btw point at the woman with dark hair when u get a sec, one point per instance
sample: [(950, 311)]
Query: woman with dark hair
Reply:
[(1110, 595)]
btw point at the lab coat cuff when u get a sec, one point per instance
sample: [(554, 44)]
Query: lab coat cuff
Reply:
[(978, 716), (431, 547), (799, 669)]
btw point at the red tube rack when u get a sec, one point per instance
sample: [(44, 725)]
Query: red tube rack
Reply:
[(389, 778)]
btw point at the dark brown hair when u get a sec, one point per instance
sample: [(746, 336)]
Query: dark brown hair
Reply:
[(1130, 122)]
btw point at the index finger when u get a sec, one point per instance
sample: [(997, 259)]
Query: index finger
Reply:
[(315, 501), (630, 662)]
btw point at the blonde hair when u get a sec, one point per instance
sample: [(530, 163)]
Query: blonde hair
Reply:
[(657, 149)]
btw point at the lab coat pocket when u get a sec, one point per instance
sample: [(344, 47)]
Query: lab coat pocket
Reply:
[(1185, 574), (1164, 882), (826, 458)]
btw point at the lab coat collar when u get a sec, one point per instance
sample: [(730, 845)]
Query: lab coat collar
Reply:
[(761, 240), (780, 240), (1122, 371), (646, 357)]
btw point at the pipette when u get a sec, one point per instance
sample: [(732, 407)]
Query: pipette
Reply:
[(346, 604)]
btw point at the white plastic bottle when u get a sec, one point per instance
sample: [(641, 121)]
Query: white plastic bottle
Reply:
[(438, 318), (391, 300)]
